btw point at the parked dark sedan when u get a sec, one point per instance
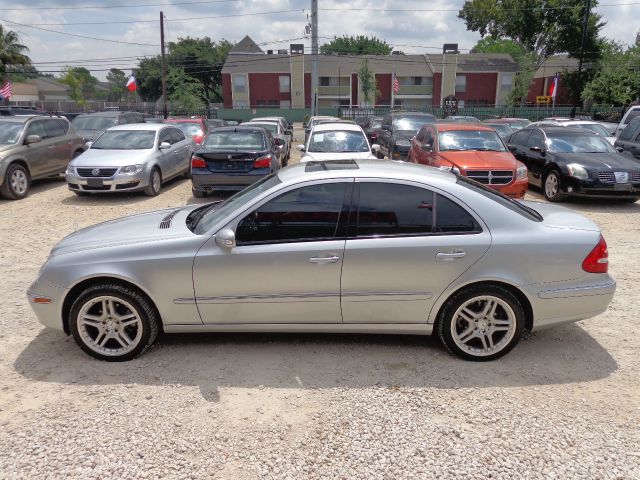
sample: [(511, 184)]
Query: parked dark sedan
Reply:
[(629, 139), (502, 129), (397, 129), (232, 158), (566, 161)]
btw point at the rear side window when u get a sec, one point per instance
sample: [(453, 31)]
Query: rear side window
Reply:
[(389, 209), (177, 135), (306, 214), (631, 115), (64, 124), (630, 130), (520, 138), (54, 129)]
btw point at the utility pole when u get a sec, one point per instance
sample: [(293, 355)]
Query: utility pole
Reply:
[(585, 26), (165, 109), (314, 57)]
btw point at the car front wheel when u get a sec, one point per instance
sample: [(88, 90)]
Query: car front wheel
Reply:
[(155, 183), (552, 187), (481, 322), (112, 322), (16, 182)]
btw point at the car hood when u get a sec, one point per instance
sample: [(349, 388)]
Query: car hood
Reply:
[(479, 159), (600, 161), (555, 216), (7, 148), (141, 228), (319, 156), (95, 157)]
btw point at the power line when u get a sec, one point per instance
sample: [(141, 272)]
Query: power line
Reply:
[(92, 7)]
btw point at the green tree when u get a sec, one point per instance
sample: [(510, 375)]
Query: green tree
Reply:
[(81, 83), (184, 90), (498, 45), (149, 78), (540, 28), (367, 81), (12, 52), (117, 80), (616, 80), (358, 45)]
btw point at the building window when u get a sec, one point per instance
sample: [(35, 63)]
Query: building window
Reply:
[(239, 83), (506, 82), (334, 81), (410, 81), (285, 84), (461, 83), (240, 104)]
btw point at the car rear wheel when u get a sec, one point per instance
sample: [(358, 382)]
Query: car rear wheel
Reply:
[(481, 322), (16, 182), (155, 183), (552, 187), (112, 322), (198, 193)]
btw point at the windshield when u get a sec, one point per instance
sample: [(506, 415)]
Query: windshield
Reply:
[(235, 140), (202, 219), (10, 132), (191, 129), (577, 143), (376, 123), (594, 127), (125, 140), (338, 141), (502, 129), (412, 123), (93, 123), (272, 127), (457, 140)]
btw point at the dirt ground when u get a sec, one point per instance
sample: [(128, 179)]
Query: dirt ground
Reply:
[(267, 406)]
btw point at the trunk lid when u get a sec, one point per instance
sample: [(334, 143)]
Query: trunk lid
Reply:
[(555, 216), (238, 161)]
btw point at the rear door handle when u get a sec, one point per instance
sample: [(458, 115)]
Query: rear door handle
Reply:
[(450, 255), (323, 260)]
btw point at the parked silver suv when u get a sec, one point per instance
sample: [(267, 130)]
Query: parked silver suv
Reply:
[(32, 148)]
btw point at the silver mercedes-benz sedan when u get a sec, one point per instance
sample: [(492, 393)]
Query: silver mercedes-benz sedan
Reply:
[(347, 246), (130, 158)]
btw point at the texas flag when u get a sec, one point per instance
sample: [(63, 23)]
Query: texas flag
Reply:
[(553, 90), (131, 84)]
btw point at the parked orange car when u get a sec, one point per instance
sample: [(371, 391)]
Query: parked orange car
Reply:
[(473, 150)]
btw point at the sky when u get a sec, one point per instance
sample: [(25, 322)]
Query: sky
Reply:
[(414, 26)]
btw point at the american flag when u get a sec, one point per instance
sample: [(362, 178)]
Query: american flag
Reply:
[(5, 91), (396, 85)]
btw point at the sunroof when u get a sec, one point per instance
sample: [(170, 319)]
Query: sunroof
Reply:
[(325, 165)]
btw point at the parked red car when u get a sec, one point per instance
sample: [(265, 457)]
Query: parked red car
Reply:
[(473, 150), (193, 127)]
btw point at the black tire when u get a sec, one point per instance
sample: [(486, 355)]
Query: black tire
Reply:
[(155, 185), (505, 341), (16, 188), (379, 155), (553, 195), (630, 200), (187, 173), (198, 193), (149, 320)]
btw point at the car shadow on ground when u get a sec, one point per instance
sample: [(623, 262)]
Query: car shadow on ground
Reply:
[(39, 186), (566, 354), (118, 198), (587, 204)]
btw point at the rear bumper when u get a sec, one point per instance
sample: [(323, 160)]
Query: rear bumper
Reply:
[(208, 181)]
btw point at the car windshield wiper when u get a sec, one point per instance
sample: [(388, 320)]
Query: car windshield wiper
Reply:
[(196, 215)]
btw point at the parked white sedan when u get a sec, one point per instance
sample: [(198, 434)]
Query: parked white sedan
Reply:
[(133, 157), (337, 141)]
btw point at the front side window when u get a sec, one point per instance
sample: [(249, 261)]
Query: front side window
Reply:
[(165, 136), (459, 140), (536, 139), (520, 138), (235, 140), (37, 128), (338, 142), (125, 140), (310, 213)]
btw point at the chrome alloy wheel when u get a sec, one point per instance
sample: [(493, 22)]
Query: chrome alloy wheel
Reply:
[(109, 326), (19, 182), (551, 185), (155, 180), (483, 325)]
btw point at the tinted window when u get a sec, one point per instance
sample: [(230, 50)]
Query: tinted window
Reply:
[(452, 218), (37, 128), (53, 129), (629, 131), (165, 136), (177, 135), (393, 209), (536, 139), (632, 114), (64, 125), (305, 214), (520, 138)]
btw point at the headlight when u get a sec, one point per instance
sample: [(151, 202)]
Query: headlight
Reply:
[(521, 173), (70, 168), (131, 169), (403, 143), (455, 170), (578, 171)]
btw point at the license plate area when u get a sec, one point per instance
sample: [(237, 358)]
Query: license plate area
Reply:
[(94, 182), (622, 187)]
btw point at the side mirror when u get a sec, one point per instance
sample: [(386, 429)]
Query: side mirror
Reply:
[(300, 147), (280, 147), (305, 126), (375, 147), (620, 149), (33, 139), (164, 145), (511, 147), (87, 145), (540, 150), (226, 238), (427, 148)]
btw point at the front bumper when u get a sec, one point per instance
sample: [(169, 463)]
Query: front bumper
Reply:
[(207, 181), (46, 302), (516, 189), (596, 188), (399, 152), (116, 183)]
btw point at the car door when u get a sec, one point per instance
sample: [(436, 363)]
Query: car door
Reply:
[(384, 135), (535, 153), (286, 265), (41, 155), (518, 144), (60, 145), (167, 157), (415, 152), (183, 150), (406, 244)]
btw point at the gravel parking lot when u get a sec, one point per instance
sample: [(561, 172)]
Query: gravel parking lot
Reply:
[(564, 404)]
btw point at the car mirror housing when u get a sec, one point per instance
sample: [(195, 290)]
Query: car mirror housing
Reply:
[(87, 145), (226, 238), (33, 139), (427, 148), (164, 145), (512, 147), (375, 147), (301, 148), (620, 149)]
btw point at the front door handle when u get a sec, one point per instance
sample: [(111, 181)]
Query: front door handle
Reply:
[(450, 255), (323, 260)]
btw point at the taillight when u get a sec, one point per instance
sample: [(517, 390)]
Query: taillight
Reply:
[(198, 162), (262, 162), (198, 139), (598, 259)]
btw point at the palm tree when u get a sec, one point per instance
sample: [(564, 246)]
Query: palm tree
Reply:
[(11, 51)]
